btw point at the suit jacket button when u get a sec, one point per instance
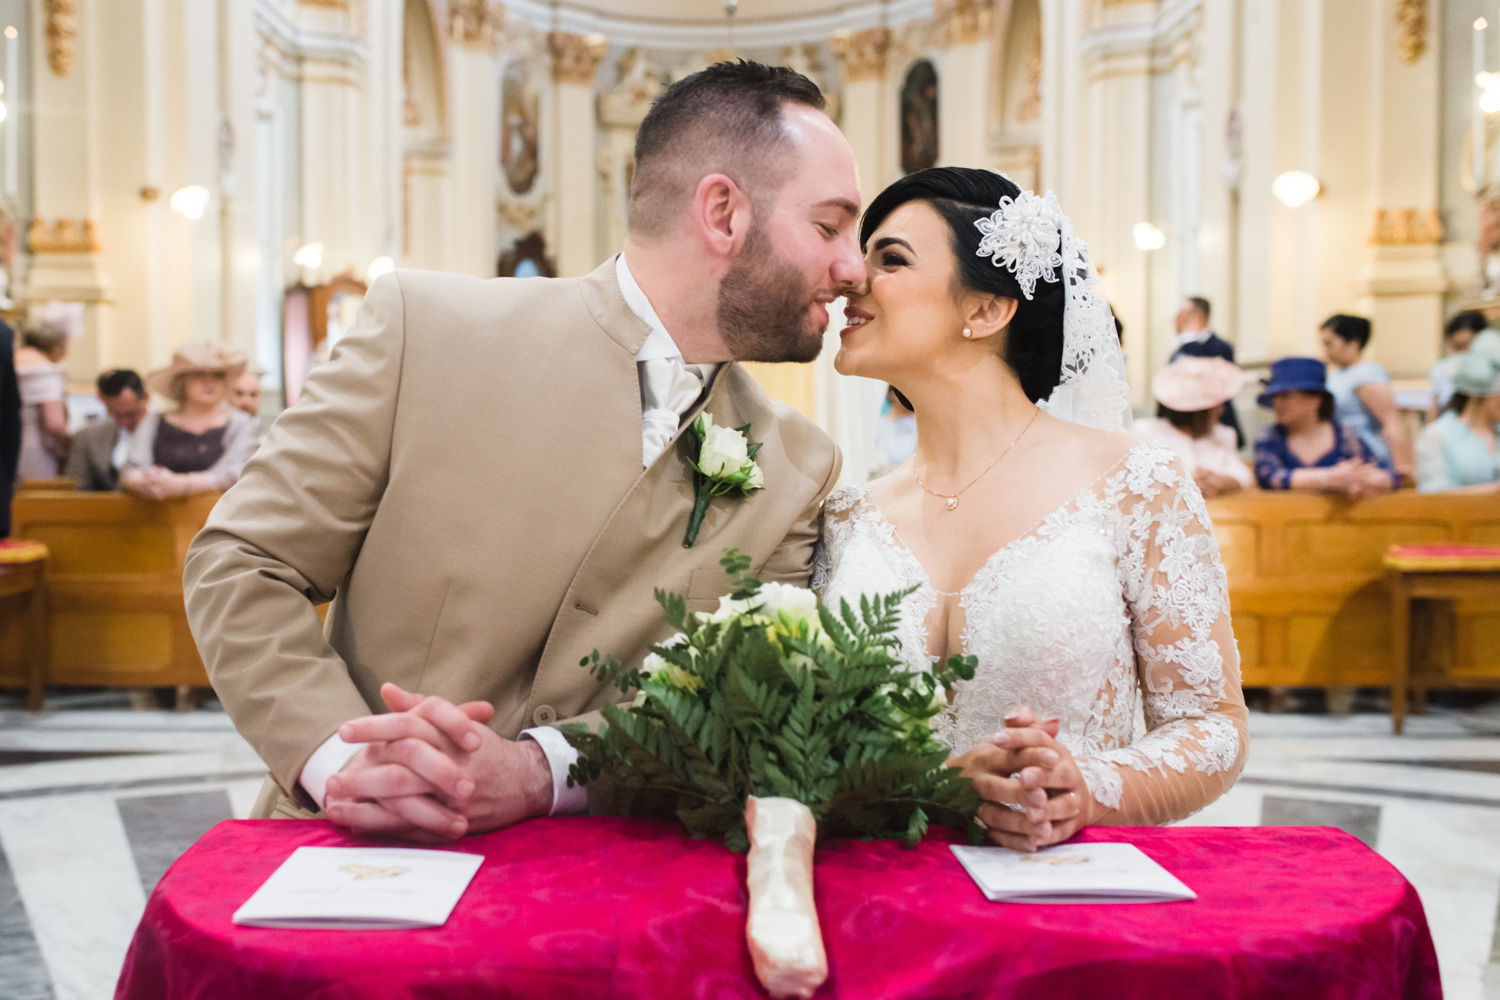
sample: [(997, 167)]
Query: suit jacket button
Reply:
[(544, 715)]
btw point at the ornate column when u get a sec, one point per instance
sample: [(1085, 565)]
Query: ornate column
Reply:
[(861, 56), (848, 407), (474, 33), (573, 208), (963, 77), (64, 236), (1403, 279)]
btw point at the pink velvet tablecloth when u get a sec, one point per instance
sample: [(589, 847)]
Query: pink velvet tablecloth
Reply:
[(610, 908)]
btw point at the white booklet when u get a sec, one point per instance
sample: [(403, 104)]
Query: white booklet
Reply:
[(364, 888), (1071, 873)]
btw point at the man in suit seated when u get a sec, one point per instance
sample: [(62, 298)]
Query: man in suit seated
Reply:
[(98, 451), (1196, 340)]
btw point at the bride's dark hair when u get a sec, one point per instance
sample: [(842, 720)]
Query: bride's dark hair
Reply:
[(962, 196)]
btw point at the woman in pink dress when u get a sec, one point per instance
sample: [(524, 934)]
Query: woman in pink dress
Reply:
[(1190, 395), (44, 393)]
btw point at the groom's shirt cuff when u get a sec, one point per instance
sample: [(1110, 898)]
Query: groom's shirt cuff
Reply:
[(325, 762), (566, 800)]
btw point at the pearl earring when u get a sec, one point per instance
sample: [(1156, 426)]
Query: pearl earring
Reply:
[(968, 333)]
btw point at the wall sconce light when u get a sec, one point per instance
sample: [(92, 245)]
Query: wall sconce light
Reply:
[(1296, 188), (309, 256), (1149, 236), (380, 265), (189, 202)]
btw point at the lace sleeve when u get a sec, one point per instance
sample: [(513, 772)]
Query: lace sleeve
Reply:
[(1187, 663)]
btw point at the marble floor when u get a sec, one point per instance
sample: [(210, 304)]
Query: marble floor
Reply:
[(96, 801)]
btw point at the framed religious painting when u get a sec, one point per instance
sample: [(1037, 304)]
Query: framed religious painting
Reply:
[(919, 117)]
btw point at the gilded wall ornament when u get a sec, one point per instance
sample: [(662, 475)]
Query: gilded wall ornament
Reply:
[(575, 58), (63, 236), (964, 22), (861, 53), (477, 23), (62, 34), (1406, 227), (1411, 29)]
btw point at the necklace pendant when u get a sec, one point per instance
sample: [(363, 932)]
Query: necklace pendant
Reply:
[(950, 503)]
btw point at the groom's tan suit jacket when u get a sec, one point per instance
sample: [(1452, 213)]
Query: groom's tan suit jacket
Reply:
[(463, 479)]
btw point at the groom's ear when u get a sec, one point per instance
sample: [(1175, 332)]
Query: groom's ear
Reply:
[(987, 315), (721, 213)]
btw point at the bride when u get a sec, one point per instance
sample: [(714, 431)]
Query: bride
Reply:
[(1074, 561)]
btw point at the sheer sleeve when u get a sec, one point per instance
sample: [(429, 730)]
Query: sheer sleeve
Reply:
[(1187, 663), (1432, 465)]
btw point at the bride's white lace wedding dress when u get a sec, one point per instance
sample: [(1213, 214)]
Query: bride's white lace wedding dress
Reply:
[(1113, 608)]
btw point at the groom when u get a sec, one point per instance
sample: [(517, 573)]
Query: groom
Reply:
[(487, 479)]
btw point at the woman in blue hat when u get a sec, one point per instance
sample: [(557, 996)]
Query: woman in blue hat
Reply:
[(1307, 449), (1458, 451)]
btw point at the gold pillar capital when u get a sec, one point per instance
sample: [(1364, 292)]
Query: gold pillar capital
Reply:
[(62, 34), (476, 23), (963, 22), (861, 53), (575, 58), (1406, 227), (1411, 29)]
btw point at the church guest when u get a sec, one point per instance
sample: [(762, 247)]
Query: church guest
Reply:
[(1307, 448), (244, 393), (202, 444), (1191, 394), (1195, 339), (1458, 451), (1457, 335), (896, 433), (98, 452), (44, 391), (1362, 397)]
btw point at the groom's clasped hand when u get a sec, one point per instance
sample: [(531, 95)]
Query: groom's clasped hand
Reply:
[(1032, 790), (434, 771)]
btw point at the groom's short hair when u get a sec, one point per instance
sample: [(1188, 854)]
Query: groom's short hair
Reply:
[(723, 119)]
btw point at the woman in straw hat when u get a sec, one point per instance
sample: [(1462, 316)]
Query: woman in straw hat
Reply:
[(1307, 448), (201, 445), (1458, 451), (1190, 396)]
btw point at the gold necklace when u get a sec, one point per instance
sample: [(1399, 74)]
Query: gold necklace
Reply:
[(950, 501)]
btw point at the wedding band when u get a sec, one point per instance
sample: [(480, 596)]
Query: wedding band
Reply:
[(1018, 807)]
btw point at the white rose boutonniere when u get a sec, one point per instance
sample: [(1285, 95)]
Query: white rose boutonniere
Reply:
[(723, 466)]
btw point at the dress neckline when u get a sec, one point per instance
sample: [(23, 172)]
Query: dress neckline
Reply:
[(924, 579)]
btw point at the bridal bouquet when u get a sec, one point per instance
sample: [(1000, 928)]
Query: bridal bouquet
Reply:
[(768, 719)]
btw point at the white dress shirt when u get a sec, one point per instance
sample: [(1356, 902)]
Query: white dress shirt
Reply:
[(658, 427), (1193, 337), (122, 448)]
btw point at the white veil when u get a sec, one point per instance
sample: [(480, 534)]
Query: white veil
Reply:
[(1032, 237)]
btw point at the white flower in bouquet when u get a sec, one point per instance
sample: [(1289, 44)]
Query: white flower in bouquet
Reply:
[(798, 604), (658, 666), (728, 608)]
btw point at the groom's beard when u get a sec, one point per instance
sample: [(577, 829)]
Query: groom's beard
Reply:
[(763, 307)]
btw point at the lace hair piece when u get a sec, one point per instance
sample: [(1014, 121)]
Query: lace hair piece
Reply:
[(1033, 239)]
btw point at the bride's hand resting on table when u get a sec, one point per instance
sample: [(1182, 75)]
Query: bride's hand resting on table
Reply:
[(1034, 795)]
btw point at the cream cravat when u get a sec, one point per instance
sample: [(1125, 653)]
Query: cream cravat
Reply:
[(668, 390)]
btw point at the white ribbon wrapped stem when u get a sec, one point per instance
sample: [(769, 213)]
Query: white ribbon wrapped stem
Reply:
[(786, 943)]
